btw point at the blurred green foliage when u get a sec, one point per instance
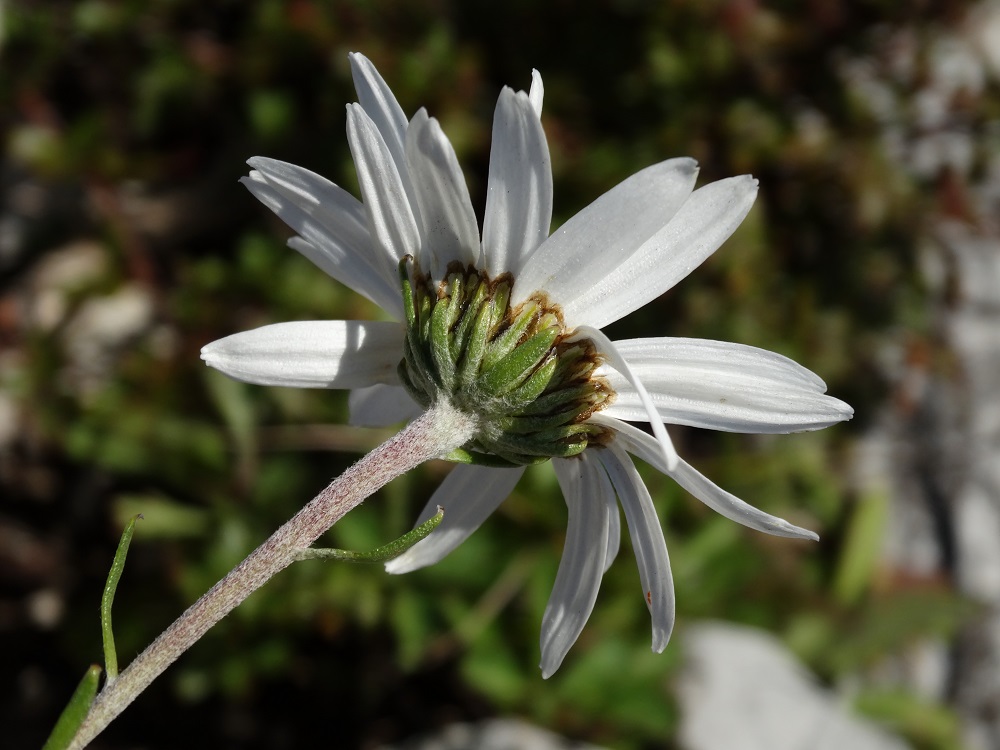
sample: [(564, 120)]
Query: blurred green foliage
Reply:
[(125, 128)]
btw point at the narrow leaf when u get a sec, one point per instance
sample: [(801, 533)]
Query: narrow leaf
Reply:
[(859, 560), (117, 566), (380, 554), (75, 712)]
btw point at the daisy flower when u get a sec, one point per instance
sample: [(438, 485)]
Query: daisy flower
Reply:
[(504, 326)]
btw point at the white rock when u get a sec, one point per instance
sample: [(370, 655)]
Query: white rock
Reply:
[(742, 690)]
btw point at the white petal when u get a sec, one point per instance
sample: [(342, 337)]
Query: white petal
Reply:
[(614, 359), (537, 92), (332, 224), (647, 541), (311, 354), (702, 224), (377, 99), (722, 386), (469, 494), (605, 234), (381, 405), (720, 354), (586, 488), (519, 191), (369, 283), (730, 506), (389, 213), (450, 232), (645, 447)]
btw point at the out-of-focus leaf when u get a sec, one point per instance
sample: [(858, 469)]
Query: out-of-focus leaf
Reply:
[(232, 400), (75, 712), (164, 518), (271, 112), (924, 723), (108, 600), (861, 551), (494, 668), (621, 682)]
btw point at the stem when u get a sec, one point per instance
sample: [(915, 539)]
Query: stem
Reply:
[(438, 431)]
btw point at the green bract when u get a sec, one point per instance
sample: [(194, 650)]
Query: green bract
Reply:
[(531, 387)]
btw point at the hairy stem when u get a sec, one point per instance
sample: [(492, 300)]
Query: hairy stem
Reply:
[(440, 430)]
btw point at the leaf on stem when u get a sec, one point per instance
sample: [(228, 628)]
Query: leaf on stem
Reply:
[(75, 712), (117, 566), (380, 554)]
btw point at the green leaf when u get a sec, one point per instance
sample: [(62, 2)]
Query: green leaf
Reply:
[(859, 557), (926, 724), (75, 712), (271, 112), (380, 554), (117, 566), (163, 517), (232, 399)]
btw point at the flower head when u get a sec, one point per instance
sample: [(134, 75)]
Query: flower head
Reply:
[(506, 328)]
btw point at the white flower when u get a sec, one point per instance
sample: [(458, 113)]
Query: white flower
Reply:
[(627, 248)]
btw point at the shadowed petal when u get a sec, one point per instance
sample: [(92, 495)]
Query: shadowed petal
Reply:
[(645, 447), (647, 540), (614, 530), (722, 386), (699, 227), (519, 191), (381, 405), (311, 354), (469, 494), (448, 221), (605, 234), (585, 487)]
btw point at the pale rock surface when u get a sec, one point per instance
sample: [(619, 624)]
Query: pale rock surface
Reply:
[(493, 734), (742, 690)]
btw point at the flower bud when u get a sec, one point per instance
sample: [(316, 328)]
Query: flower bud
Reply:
[(530, 385)]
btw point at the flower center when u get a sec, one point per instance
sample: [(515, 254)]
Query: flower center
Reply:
[(518, 371)]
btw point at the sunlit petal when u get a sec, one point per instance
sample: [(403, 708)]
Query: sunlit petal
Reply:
[(311, 354), (699, 227), (537, 92), (332, 225), (599, 239), (378, 101), (390, 217), (721, 386), (519, 191), (448, 221)]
